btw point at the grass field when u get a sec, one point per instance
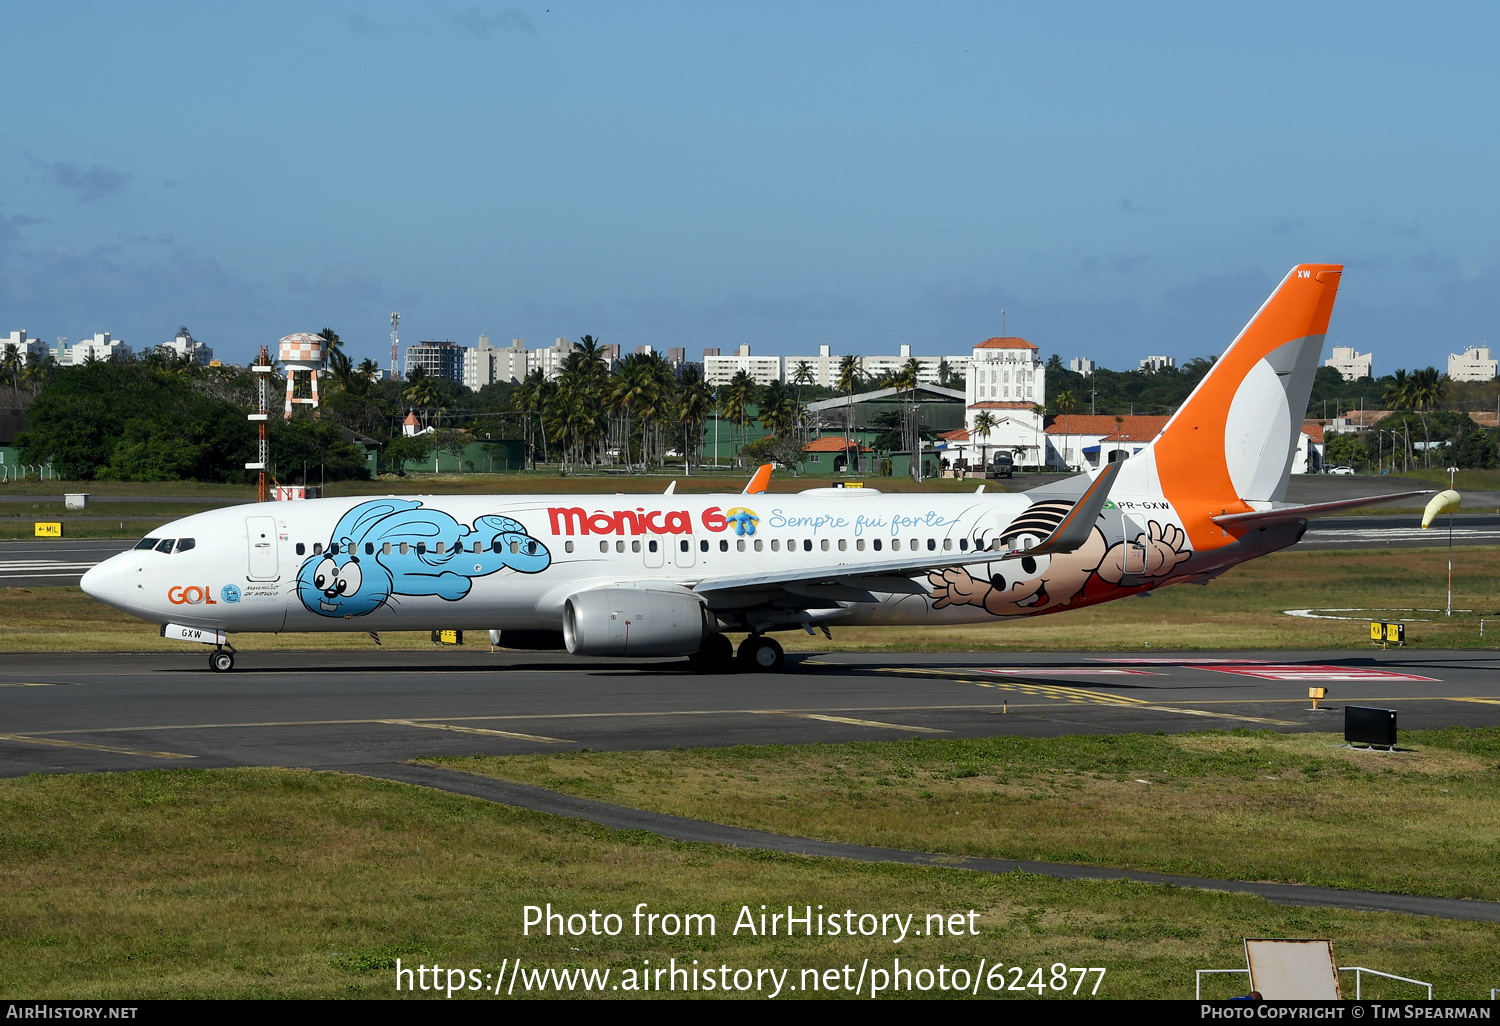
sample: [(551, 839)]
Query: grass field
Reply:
[(1293, 808), (1244, 609), (284, 883)]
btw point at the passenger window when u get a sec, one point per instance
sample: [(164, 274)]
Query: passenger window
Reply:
[(604, 546), (843, 545), (568, 546), (405, 548), (531, 548), (317, 548), (947, 544), (775, 545), (740, 545), (385, 548), (703, 545), (806, 544), (440, 547), (334, 548), (499, 546), (619, 546), (635, 546), (723, 544), (963, 545), (650, 545), (147, 543), (475, 547), (183, 544), (895, 544), (369, 548), (301, 549), (859, 544), (759, 545), (931, 544), (515, 547), (165, 545), (876, 543), (421, 549), (686, 545), (825, 545)]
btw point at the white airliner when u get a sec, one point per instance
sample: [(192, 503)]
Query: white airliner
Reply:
[(669, 575)]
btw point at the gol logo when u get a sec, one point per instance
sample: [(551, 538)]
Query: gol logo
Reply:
[(190, 596)]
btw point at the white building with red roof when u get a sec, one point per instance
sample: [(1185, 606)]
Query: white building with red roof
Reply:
[(1006, 380)]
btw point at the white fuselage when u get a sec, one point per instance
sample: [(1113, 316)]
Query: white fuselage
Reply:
[(511, 562)]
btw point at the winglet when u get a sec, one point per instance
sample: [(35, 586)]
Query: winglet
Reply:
[(758, 483), (1073, 530), (671, 488)]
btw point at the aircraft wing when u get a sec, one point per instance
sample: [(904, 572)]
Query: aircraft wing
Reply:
[(1070, 533), (1288, 514)]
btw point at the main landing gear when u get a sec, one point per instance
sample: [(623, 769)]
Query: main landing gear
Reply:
[(221, 660), (759, 654), (716, 655)]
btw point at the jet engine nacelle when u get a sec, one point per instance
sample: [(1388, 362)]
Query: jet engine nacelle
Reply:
[(634, 622)]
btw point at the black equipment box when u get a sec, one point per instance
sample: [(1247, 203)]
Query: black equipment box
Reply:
[(1367, 726)]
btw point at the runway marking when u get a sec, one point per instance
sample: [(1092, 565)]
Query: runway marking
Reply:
[(853, 722), (477, 730), (38, 684), (93, 748), (1066, 671), (1080, 696), (1485, 701), (1296, 672)]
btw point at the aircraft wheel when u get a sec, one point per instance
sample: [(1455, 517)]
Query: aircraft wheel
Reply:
[(761, 655), (716, 655), (221, 661)]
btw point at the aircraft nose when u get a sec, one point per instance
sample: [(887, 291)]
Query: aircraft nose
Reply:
[(106, 581)]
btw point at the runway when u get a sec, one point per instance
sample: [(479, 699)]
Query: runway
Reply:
[(63, 713)]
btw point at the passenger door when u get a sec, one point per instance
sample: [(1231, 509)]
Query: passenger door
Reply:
[(264, 555)]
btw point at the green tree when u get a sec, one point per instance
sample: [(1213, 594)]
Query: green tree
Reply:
[(1065, 403), (1343, 450), (404, 449), (984, 423)]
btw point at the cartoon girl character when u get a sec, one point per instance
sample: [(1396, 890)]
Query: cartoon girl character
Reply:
[(1042, 583), (392, 547)]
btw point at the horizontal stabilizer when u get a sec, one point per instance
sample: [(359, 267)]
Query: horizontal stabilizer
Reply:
[(1074, 529), (1290, 514)]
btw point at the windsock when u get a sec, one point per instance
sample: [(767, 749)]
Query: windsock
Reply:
[(1443, 502)]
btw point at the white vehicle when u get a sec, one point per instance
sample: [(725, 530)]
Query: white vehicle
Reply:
[(671, 575), (1348, 471)]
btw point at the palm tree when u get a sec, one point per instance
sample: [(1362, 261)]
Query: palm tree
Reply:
[(628, 391), (1398, 395), (341, 370), (780, 412), (10, 364), (735, 399), (1065, 403), (331, 342), (984, 423), (422, 393), (802, 376), (526, 400), (692, 406), (1427, 389), (906, 380), (848, 381), (1038, 412), (368, 371), (1119, 420)]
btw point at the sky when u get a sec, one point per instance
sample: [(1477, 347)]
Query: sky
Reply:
[(1105, 180)]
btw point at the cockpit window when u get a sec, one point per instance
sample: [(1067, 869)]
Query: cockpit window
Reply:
[(183, 544), (165, 545), (147, 543)]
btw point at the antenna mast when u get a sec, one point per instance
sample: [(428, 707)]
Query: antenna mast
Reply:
[(395, 341)]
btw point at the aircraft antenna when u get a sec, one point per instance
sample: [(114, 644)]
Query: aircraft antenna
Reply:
[(395, 341)]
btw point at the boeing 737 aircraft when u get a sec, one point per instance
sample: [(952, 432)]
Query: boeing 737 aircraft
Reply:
[(669, 575)]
